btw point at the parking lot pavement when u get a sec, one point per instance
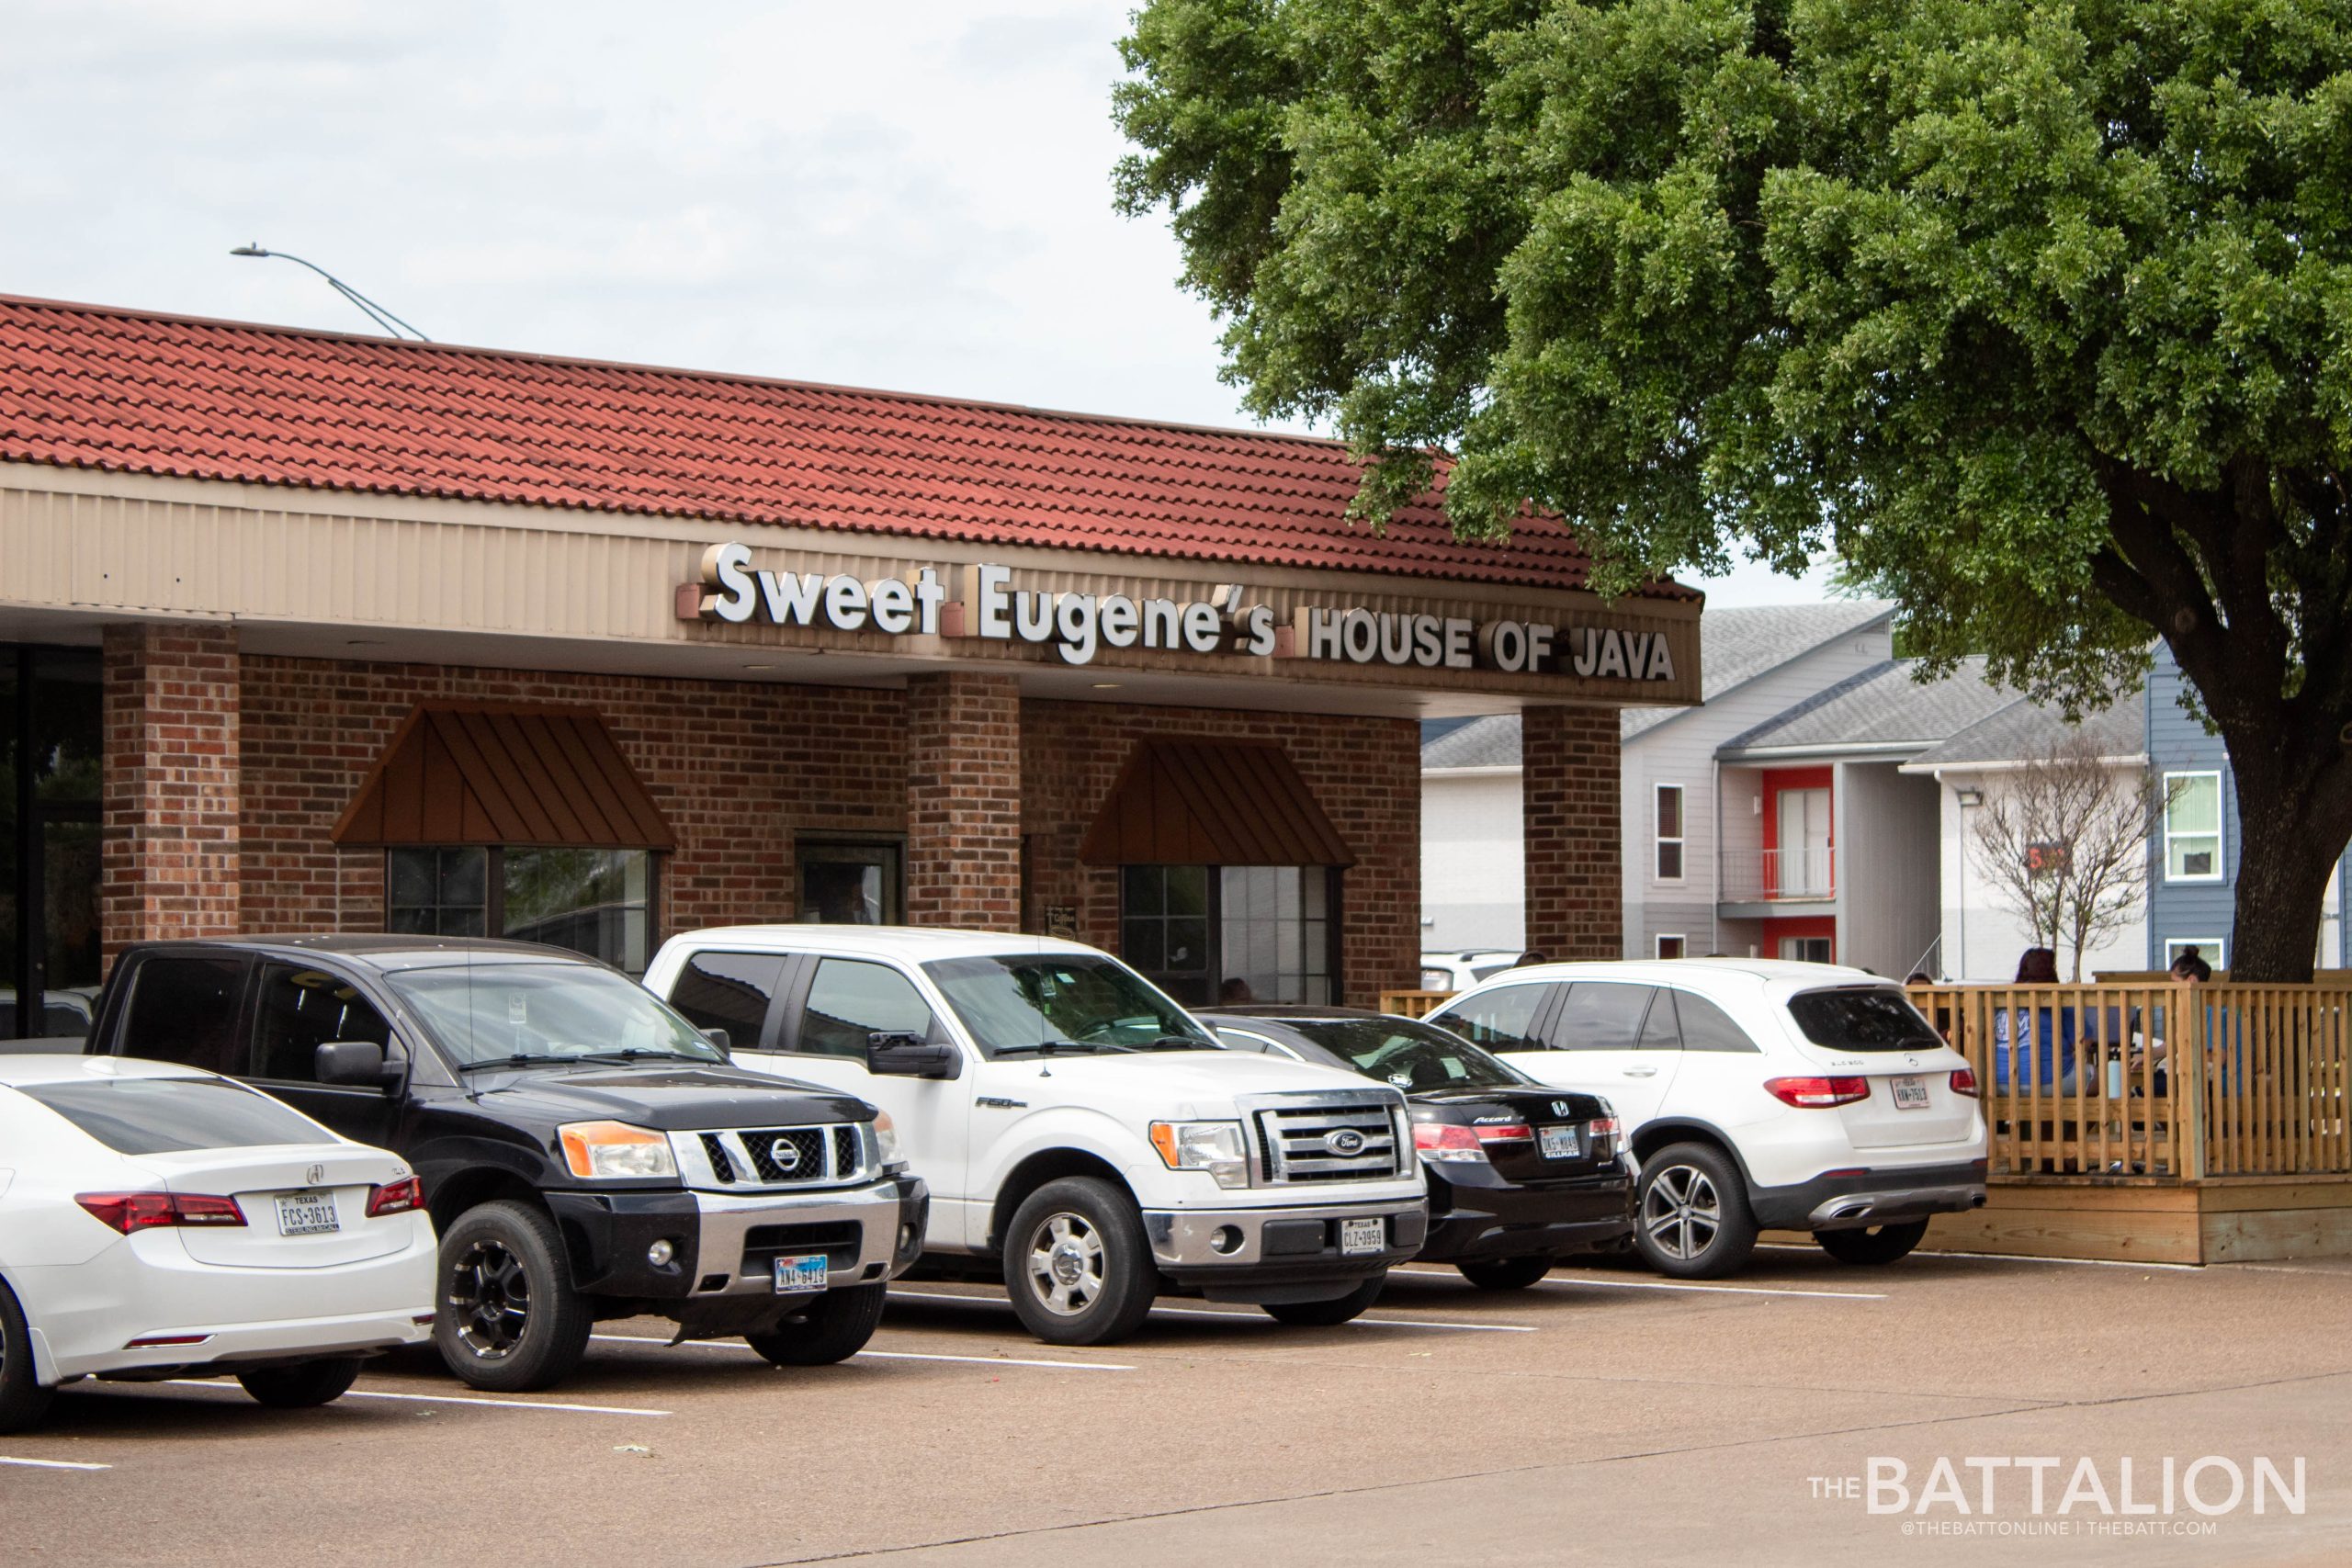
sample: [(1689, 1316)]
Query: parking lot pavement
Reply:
[(1600, 1414)]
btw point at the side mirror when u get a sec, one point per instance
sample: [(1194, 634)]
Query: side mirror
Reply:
[(904, 1055), (719, 1038), (356, 1064)]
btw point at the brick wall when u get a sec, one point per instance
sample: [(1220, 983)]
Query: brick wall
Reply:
[(738, 768), (1568, 791), (169, 845), (963, 793), (1365, 774)]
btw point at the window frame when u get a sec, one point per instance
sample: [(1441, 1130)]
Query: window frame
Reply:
[(1334, 927), (495, 892), (2209, 948), (892, 853), (2218, 833), (1660, 839), (1682, 945)]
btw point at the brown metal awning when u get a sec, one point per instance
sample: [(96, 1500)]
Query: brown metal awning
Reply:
[(489, 773), (1212, 803)]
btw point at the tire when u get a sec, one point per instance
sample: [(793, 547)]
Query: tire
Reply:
[(1691, 1221), (1330, 1313), (303, 1386), (23, 1401), (509, 1321), (831, 1328), (1876, 1244), (1075, 1263), (1506, 1273)]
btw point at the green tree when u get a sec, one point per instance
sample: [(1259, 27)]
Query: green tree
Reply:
[(2039, 314)]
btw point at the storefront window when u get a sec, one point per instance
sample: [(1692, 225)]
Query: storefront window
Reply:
[(852, 882), (50, 726), (599, 902), (1231, 934)]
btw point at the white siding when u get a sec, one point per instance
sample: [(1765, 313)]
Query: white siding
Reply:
[(1886, 868), (1982, 936), (1472, 871)]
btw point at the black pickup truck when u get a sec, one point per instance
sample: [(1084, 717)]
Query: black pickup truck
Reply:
[(586, 1153)]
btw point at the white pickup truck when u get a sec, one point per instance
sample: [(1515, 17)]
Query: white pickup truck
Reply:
[(1076, 1126)]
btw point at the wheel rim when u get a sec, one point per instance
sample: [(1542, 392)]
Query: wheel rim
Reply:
[(1682, 1212), (490, 1300), (1064, 1264)]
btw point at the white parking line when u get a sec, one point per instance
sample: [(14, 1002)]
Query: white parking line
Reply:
[(1253, 1316), (451, 1399), (882, 1355), (52, 1463), (1711, 1290)]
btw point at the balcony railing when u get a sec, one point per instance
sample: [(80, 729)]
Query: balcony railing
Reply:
[(1773, 875)]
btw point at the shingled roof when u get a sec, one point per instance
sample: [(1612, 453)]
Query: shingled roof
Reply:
[(139, 393)]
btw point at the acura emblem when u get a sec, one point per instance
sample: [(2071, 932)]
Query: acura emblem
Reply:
[(785, 1153), (313, 1176), (1344, 1141)]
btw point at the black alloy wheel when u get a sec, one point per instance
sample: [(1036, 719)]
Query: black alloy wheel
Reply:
[(510, 1320), (23, 1401)]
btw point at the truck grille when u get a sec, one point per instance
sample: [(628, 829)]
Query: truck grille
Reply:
[(1327, 1142), (786, 1157)]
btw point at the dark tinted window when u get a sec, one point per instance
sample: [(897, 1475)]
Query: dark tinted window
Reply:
[(1877, 1019), (1499, 1020), (1659, 1030), (153, 1116), (185, 1009), (1242, 1040), (297, 1011), (729, 991), (1600, 1015), (849, 1000), (1706, 1027), (1413, 1056)]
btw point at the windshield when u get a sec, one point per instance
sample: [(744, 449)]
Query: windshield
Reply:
[(1413, 1056), (1864, 1019), (1062, 1001), (534, 1012)]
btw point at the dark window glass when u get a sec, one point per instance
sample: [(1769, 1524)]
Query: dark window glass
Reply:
[(1864, 1019), (1242, 1040), (1164, 927), (1412, 1057), (185, 1010), (1659, 1030), (729, 991), (12, 935), (1600, 1015), (843, 882), (154, 1116), (297, 1011), (598, 902), (67, 726), (437, 892), (849, 1000), (1706, 1027), (69, 879), (1499, 1020)]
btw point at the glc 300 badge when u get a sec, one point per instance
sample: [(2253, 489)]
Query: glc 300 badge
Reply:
[(1343, 1142)]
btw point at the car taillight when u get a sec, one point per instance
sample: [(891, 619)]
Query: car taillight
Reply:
[(1811, 1094), (128, 1212), (1447, 1142), (1505, 1133), (1964, 1082), (395, 1197)]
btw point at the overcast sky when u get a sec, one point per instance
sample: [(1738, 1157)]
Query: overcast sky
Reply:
[(913, 196)]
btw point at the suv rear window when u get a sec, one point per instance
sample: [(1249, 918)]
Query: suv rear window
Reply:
[(154, 1116), (1862, 1019)]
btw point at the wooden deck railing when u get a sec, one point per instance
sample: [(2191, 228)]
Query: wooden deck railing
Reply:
[(2163, 1079)]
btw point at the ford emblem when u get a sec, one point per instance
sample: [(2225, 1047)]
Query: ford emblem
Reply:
[(1344, 1141), (785, 1153)]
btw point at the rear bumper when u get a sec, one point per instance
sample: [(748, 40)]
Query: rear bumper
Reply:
[(1279, 1254), (1871, 1198), (725, 1245), (1471, 1223)]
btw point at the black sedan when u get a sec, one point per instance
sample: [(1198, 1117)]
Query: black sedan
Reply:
[(1520, 1174)]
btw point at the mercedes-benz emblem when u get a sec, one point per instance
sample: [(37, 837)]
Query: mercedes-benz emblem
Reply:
[(785, 1153), (1343, 1142), (313, 1176)]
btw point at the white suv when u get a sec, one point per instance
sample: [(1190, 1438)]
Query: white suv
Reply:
[(1755, 1094), (1076, 1126)]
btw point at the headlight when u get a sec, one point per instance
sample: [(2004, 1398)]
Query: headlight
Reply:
[(615, 1151), (1214, 1146), (886, 1140)]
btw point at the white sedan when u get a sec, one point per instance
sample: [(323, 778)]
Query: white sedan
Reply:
[(157, 1221)]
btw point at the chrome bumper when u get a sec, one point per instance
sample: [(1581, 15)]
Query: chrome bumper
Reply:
[(727, 1222), (1185, 1238)]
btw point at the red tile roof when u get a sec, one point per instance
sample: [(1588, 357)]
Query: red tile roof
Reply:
[(133, 391)]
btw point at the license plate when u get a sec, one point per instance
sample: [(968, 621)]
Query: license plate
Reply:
[(306, 1214), (1360, 1236), (1911, 1094), (1558, 1143), (797, 1274)]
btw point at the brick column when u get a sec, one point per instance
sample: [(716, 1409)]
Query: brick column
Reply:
[(964, 801), (1574, 842), (170, 783)]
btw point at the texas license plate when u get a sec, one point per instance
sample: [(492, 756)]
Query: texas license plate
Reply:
[(306, 1214), (1557, 1143), (1360, 1236), (1911, 1094), (797, 1274)]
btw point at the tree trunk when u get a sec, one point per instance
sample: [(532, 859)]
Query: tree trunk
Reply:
[(2287, 853)]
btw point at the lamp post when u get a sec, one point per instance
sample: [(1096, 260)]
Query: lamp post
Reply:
[(376, 313)]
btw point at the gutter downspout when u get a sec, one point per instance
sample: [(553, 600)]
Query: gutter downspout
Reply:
[(1716, 860)]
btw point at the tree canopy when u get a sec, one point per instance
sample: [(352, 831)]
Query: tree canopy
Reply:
[(2039, 315)]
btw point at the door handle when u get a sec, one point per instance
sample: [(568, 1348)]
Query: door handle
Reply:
[(1641, 1072)]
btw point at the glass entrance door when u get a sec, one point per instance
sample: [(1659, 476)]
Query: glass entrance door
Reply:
[(50, 745)]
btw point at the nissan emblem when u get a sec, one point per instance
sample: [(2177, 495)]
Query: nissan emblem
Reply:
[(785, 1153)]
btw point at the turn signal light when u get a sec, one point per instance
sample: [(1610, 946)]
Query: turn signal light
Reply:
[(1813, 1094), (1447, 1142), (1964, 1082), (395, 1197), (128, 1212)]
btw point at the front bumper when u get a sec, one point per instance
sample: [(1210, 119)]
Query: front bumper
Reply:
[(1871, 1198), (725, 1245), (1273, 1251), (1469, 1224)]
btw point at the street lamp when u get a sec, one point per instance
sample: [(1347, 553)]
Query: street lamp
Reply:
[(376, 313)]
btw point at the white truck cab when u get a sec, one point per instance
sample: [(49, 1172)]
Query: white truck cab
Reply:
[(1077, 1127)]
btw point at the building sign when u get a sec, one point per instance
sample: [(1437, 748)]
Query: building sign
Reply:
[(985, 603)]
